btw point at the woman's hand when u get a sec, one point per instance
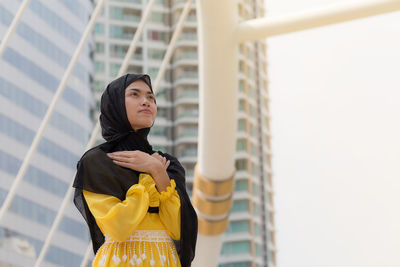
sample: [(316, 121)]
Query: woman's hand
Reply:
[(154, 164), (136, 160), (162, 159)]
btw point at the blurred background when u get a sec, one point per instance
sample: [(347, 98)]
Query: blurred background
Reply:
[(335, 94), (317, 150)]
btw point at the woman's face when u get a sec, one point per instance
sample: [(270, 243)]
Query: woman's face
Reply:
[(140, 105)]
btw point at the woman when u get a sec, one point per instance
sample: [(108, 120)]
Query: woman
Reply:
[(133, 198)]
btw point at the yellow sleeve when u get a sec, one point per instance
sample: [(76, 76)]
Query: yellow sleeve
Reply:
[(170, 211), (150, 187), (117, 218)]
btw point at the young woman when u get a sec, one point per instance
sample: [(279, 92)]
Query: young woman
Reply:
[(133, 198)]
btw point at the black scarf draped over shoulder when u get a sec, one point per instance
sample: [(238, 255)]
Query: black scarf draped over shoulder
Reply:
[(98, 174)]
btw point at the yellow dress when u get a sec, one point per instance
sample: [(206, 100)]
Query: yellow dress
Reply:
[(134, 237)]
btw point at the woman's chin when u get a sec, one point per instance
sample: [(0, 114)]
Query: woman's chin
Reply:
[(143, 125)]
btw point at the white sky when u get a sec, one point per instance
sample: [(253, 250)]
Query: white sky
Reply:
[(335, 106)]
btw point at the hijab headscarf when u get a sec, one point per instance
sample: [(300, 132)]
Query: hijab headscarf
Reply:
[(98, 174)]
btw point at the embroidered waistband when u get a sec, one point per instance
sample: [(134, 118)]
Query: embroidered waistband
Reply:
[(145, 236)]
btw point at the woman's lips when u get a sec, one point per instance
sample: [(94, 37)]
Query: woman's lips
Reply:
[(147, 111)]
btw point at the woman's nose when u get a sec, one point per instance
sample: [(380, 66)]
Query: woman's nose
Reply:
[(145, 101)]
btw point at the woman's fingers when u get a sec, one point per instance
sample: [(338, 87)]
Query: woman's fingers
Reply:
[(123, 164), (120, 158), (122, 153), (136, 160), (160, 158)]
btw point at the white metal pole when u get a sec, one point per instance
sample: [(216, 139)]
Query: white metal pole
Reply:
[(171, 46), (49, 112), (13, 26), (218, 86), (262, 28), (87, 255), (64, 204), (136, 38)]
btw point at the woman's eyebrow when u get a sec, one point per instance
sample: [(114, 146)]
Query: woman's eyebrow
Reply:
[(140, 91)]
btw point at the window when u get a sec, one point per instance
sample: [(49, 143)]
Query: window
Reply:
[(100, 48), (99, 29), (241, 164), (156, 54), (240, 205), (158, 36), (255, 169), (125, 14), (122, 32), (256, 209), (258, 250), (241, 145), (256, 189), (159, 131), (160, 148), (242, 247), (241, 125), (241, 185), (159, 18), (114, 69), (241, 86), (257, 229), (242, 105), (99, 67), (238, 227)]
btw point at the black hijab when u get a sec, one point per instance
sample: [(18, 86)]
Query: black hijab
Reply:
[(98, 174)]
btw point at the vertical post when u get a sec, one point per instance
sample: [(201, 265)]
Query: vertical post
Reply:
[(218, 88), (13, 26)]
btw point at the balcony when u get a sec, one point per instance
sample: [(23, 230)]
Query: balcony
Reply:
[(187, 117), (186, 59), (187, 137), (188, 157), (186, 78), (187, 39), (187, 98)]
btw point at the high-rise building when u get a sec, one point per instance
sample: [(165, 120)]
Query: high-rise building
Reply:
[(31, 69), (250, 239)]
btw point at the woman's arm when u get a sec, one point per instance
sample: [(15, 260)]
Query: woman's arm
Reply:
[(117, 218), (170, 211)]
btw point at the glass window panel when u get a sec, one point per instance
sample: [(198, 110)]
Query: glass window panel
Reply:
[(257, 229), (99, 29), (241, 125), (256, 209), (238, 227), (156, 54), (241, 185), (242, 247), (240, 205), (256, 189), (241, 164), (241, 145), (99, 67)]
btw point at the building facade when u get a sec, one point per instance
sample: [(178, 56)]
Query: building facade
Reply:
[(31, 69), (250, 239)]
